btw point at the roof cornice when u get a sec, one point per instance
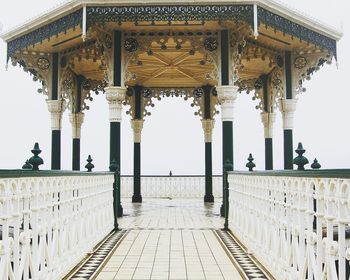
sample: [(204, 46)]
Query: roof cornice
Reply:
[(73, 5)]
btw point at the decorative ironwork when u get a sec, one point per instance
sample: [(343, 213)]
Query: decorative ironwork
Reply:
[(288, 27), (198, 92), (279, 60), (47, 31), (43, 63), (131, 45), (108, 41), (211, 44), (169, 13), (300, 62)]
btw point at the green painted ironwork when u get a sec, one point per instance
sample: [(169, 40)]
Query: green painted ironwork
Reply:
[(185, 13), (296, 30), (45, 32)]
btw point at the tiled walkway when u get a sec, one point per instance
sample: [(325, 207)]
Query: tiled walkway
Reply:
[(170, 239)]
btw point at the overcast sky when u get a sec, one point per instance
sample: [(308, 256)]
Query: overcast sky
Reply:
[(172, 136)]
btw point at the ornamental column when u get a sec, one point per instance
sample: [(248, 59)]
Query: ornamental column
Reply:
[(208, 125), (227, 96), (55, 108), (137, 125), (288, 107), (76, 119), (268, 120)]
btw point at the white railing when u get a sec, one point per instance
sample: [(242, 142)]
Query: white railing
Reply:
[(295, 223), (49, 221), (171, 186)]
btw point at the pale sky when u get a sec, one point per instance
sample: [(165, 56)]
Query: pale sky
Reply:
[(173, 137)]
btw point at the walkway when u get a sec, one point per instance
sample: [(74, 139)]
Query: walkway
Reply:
[(170, 239)]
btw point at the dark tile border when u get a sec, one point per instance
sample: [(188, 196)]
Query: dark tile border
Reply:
[(248, 267), (94, 262)]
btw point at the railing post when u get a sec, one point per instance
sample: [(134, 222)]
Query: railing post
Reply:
[(227, 167), (114, 167)]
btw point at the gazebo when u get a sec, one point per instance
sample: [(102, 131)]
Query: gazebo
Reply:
[(139, 53)]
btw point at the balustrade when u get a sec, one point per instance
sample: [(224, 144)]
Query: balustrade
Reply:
[(50, 220), (295, 223)]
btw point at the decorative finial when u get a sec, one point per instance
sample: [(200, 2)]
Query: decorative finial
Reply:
[(250, 163), (89, 166), (114, 166), (170, 173), (35, 160), (315, 164), (300, 160), (228, 165), (27, 165)]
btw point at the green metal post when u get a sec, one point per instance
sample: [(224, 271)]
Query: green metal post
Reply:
[(116, 197)]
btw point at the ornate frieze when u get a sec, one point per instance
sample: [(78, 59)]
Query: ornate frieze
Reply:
[(45, 32), (170, 13), (304, 66), (136, 44), (39, 66), (148, 95), (296, 30), (104, 44)]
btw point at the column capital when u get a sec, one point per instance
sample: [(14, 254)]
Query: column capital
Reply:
[(76, 119), (137, 126), (56, 108), (227, 96), (115, 96), (287, 108), (208, 125), (268, 120)]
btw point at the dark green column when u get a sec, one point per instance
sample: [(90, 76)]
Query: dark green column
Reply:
[(208, 173), (55, 109), (287, 112), (115, 95), (76, 154), (226, 107), (268, 154), (288, 148), (137, 173), (56, 149)]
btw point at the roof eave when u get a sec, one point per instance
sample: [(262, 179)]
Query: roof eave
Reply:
[(270, 5)]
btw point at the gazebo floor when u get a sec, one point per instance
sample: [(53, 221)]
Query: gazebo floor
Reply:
[(170, 239)]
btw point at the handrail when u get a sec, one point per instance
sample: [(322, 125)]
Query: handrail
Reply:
[(323, 173), (20, 173)]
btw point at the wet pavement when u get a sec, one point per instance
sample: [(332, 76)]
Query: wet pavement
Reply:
[(170, 239)]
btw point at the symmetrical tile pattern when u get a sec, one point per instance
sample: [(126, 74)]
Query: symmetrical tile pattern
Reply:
[(93, 262), (248, 266)]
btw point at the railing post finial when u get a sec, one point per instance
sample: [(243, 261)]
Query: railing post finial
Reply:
[(250, 163), (35, 160), (315, 164), (89, 166), (300, 160)]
